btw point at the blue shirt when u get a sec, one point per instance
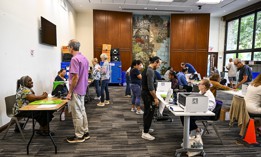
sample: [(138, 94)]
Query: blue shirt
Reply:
[(182, 79), (191, 69), (133, 74)]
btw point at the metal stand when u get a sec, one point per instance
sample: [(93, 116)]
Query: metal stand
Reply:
[(186, 140)]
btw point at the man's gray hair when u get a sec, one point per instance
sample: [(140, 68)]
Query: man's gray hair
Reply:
[(237, 60), (74, 44), (104, 56)]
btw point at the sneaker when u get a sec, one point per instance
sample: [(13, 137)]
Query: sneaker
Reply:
[(97, 98), (139, 112), (101, 104), (75, 139), (133, 110), (86, 136), (128, 96), (147, 136), (106, 102)]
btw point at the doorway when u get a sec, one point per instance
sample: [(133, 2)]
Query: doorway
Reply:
[(212, 62)]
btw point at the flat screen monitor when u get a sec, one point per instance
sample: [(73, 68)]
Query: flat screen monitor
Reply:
[(48, 32)]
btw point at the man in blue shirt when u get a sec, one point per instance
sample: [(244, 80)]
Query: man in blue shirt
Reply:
[(245, 73), (182, 78), (182, 81), (190, 67)]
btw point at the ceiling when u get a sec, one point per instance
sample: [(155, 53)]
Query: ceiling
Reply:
[(162, 8)]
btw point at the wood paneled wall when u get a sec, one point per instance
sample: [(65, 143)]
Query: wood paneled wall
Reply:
[(189, 41), (113, 28)]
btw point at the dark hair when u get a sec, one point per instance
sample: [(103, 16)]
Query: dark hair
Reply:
[(154, 59), (22, 81), (61, 71), (173, 73), (135, 62)]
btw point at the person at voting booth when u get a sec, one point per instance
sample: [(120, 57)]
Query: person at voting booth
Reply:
[(245, 73), (215, 81), (204, 89), (148, 95), (24, 96), (60, 88)]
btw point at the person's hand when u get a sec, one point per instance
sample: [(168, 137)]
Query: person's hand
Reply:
[(156, 102), (69, 96), (235, 87)]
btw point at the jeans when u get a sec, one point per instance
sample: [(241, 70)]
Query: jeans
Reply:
[(136, 94), (104, 86), (149, 109), (97, 87), (79, 115), (127, 90)]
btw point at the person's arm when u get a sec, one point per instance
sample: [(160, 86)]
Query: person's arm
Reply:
[(222, 87), (73, 84), (33, 97), (150, 80), (139, 76), (242, 81), (228, 66)]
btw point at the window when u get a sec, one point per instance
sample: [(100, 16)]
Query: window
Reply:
[(232, 32), (258, 31), (246, 56), (243, 36), (257, 56), (230, 55), (246, 32)]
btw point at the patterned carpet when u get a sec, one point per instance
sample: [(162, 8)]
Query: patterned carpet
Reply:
[(116, 132)]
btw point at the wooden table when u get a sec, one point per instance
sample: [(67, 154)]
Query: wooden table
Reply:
[(44, 108)]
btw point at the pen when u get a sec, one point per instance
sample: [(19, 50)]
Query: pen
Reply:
[(171, 108)]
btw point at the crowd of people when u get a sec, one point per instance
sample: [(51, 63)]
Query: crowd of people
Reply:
[(141, 85)]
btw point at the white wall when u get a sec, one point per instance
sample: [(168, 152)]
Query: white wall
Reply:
[(20, 23), (84, 27), (216, 38)]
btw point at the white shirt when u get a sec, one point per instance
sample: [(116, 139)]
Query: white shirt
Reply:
[(253, 99), (211, 100), (232, 69)]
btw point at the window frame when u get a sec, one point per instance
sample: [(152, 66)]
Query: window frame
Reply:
[(237, 51)]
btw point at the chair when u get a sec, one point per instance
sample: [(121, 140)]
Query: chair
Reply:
[(10, 101), (212, 120)]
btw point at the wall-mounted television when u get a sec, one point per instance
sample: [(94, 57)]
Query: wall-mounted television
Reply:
[(48, 32)]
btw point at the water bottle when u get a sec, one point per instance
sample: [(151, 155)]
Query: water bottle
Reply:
[(63, 116)]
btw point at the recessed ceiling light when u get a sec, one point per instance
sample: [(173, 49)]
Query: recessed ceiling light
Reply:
[(120, 7), (161, 0), (145, 8), (156, 8), (209, 1)]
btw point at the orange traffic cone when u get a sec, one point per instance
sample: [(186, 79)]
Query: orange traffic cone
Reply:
[(250, 136)]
